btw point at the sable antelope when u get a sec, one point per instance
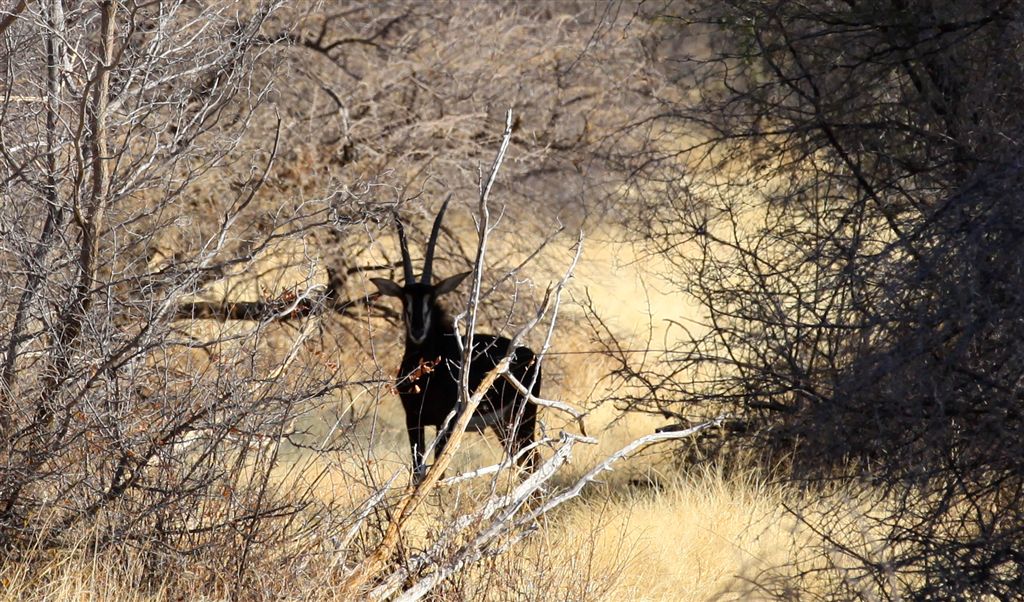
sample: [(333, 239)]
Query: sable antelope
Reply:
[(428, 378)]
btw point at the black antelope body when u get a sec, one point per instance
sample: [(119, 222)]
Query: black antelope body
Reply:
[(428, 379)]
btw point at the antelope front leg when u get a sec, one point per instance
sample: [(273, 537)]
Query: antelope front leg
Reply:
[(417, 443), (524, 436), (442, 440)]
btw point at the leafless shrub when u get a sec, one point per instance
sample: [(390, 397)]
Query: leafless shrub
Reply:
[(179, 230), (119, 419), (844, 205)]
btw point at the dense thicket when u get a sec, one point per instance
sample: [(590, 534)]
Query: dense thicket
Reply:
[(846, 206)]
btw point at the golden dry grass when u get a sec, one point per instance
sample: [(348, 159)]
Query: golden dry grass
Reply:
[(644, 533), (691, 540), (695, 538)]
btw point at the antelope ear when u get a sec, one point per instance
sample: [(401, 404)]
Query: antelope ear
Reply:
[(449, 284), (388, 288)]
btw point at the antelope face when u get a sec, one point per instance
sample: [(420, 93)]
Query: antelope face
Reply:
[(418, 302)]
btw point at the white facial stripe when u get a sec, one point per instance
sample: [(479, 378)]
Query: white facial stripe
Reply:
[(420, 320)]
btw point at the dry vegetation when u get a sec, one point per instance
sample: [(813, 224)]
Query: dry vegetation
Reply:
[(799, 220), (644, 533)]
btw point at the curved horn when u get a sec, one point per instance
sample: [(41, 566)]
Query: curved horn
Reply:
[(429, 261), (406, 260)]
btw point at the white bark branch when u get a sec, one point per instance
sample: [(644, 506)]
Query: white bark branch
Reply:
[(505, 523)]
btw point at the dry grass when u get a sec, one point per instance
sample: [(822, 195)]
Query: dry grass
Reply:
[(700, 537), (693, 539), (689, 540), (644, 533)]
